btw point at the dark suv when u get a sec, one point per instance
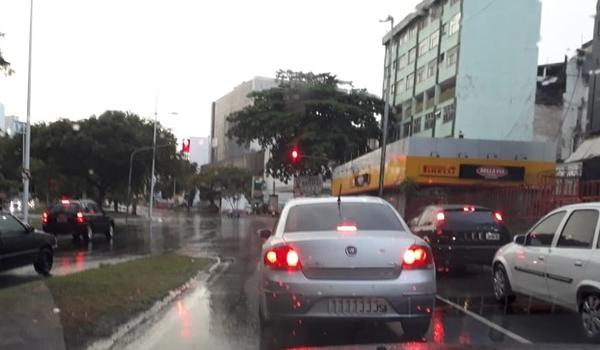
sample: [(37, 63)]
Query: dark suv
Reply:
[(21, 245), (80, 218), (461, 234)]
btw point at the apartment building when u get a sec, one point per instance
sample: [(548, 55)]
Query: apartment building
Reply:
[(464, 68)]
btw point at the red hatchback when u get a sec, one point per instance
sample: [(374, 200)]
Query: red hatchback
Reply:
[(80, 218)]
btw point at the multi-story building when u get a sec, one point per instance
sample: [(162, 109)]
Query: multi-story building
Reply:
[(2, 127), (464, 68), (223, 148)]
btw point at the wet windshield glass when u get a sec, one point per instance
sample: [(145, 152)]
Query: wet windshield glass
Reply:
[(330, 217)]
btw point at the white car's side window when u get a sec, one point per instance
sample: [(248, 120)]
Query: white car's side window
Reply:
[(543, 233), (579, 230)]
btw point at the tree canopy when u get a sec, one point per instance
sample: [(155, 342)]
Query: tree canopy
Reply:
[(226, 182), (91, 156), (325, 118), (4, 64)]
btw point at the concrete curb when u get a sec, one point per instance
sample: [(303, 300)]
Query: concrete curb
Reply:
[(129, 326)]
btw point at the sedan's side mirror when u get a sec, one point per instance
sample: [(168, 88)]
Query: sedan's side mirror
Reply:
[(519, 239), (264, 233)]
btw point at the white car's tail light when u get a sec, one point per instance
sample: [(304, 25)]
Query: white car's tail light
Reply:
[(417, 257), (282, 258)]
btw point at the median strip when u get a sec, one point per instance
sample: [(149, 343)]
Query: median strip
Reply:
[(93, 303)]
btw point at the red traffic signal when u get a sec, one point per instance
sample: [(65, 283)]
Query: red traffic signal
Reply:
[(185, 147), (295, 154)]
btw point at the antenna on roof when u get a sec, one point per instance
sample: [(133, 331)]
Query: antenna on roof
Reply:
[(339, 201)]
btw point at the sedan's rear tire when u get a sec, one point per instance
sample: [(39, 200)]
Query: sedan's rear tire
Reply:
[(415, 329), (590, 316), (111, 232), (502, 289), (44, 261), (89, 234)]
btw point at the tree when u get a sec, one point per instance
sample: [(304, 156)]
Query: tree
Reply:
[(228, 183), (313, 112), (4, 65)]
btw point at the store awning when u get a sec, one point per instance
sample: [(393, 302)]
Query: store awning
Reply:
[(590, 148)]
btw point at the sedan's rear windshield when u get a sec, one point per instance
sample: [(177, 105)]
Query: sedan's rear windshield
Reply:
[(479, 216), (327, 217), (70, 208)]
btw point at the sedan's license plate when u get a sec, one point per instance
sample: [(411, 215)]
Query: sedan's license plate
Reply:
[(492, 236), (357, 306), (61, 218)]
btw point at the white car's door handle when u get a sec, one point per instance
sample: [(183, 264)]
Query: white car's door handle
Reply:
[(541, 258), (578, 263)]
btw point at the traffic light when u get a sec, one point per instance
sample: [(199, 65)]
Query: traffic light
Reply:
[(295, 155), (185, 146)]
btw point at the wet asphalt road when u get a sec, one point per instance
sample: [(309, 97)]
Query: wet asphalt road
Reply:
[(222, 313)]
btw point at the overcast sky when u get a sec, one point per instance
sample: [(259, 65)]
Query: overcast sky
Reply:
[(94, 55)]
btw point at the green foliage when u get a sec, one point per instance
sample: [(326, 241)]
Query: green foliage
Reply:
[(313, 111), (225, 182), (4, 65), (92, 156)]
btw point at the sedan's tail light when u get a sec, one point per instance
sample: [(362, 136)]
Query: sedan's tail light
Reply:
[(80, 219), (282, 258), (417, 257), (45, 218)]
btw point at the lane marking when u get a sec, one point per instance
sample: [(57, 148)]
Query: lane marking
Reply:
[(485, 321)]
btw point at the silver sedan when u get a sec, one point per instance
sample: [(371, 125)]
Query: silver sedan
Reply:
[(346, 258)]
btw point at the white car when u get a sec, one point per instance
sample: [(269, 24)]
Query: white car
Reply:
[(346, 258), (557, 261)]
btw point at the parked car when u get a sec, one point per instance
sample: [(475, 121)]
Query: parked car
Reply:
[(80, 218), (461, 234), (351, 258), (21, 245), (557, 260)]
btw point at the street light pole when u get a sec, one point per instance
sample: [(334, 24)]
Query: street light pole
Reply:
[(153, 158), (133, 153), (386, 108), (26, 156)]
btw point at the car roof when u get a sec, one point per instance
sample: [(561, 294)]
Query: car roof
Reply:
[(586, 205), (460, 206), (332, 199)]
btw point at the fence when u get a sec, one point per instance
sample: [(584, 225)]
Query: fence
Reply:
[(521, 206)]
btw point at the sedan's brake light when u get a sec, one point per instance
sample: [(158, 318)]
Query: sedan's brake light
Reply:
[(440, 216), (498, 217), (65, 202), (417, 257), (282, 258), (79, 218), (45, 218), (347, 226)]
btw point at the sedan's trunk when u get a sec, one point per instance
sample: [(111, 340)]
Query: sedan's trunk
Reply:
[(362, 255)]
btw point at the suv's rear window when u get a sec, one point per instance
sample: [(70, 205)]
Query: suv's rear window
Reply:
[(70, 208), (327, 216), (480, 216)]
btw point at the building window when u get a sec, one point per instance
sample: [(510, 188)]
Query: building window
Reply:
[(416, 126), (454, 24), (449, 113), (454, 2), (420, 74), (429, 120), (444, 30), (433, 39), (452, 56), (434, 13), (423, 47), (409, 81), (431, 68), (406, 130), (411, 55), (412, 33), (422, 24), (402, 61), (400, 85), (403, 38)]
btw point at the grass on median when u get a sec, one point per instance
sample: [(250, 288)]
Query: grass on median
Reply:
[(94, 302)]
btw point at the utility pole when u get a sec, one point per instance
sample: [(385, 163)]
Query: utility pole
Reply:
[(26, 156), (153, 158), (386, 108)]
